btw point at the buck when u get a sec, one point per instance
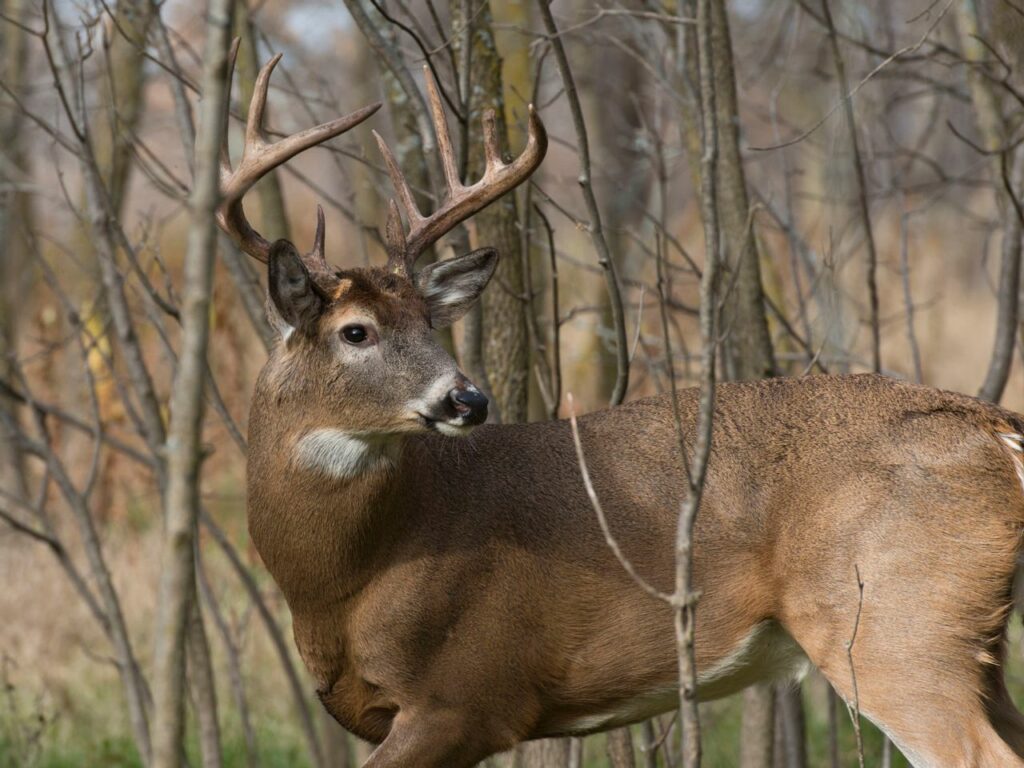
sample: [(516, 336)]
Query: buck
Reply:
[(451, 590)]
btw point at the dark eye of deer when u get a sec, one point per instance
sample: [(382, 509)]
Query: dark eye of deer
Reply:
[(354, 334)]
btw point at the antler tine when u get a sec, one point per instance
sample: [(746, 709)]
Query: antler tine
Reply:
[(444, 138), (402, 191), (463, 201), (259, 157), (316, 257), (394, 237), (254, 137), (225, 155), (492, 154), (460, 201)]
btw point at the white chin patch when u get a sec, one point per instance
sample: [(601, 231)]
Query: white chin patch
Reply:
[(343, 455), (453, 430)]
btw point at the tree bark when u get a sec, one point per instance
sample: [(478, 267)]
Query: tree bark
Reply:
[(860, 188), (505, 351), (749, 353), (548, 753), (622, 172), (789, 715), (593, 223), (757, 732), (1007, 169), (15, 219), (181, 495), (204, 692), (620, 748), (121, 103)]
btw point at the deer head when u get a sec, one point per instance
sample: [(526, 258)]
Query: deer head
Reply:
[(358, 360)]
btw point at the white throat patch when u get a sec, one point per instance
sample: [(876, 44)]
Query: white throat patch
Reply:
[(1015, 443), (343, 455)]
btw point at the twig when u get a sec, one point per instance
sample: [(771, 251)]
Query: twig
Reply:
[(908, 304), (854, 708), (595, 502), (556, 325)]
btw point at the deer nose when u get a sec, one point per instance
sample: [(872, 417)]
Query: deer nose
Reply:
[(469, 403)]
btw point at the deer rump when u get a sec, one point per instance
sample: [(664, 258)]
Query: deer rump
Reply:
[(477, 592)]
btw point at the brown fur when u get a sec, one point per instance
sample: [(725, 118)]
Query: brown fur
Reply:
[(465, 599)]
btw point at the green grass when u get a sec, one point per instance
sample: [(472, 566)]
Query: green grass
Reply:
[(62, 744)]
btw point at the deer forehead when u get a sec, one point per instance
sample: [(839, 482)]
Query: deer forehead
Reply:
[(363, 297), (342, 314)]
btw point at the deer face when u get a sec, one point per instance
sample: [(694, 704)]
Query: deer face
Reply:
[(359, 363), (359, 352)]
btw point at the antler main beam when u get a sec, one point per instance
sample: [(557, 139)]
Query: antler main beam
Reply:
[(260, 156), (460, 201)]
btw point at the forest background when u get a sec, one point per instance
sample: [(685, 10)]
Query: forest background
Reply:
[(870, 180)]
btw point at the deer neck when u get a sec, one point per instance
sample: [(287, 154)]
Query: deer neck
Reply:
[(321, 503)]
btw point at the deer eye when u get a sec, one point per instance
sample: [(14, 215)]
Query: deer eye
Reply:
[(354, 334)]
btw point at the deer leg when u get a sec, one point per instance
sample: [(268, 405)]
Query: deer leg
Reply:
[(936, 717), (431, 740), (943, 705)]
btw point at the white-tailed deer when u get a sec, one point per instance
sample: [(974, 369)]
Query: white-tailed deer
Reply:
[(453, 595)]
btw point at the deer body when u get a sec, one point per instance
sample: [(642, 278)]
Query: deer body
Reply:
[(470, 575), (452, 592)]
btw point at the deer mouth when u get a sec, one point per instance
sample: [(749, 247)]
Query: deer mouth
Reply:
[(452, 427)]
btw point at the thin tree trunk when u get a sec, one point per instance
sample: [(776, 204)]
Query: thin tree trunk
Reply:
[(684, 596), (234, 664), (121, 103), (506, 355), (15, 215), (181, 496), (112, 129), (789, 714), (114, 622), (335, 740), (833, 728), (860, 190), (620, 748), (204, 692), (622, 176), (547, 753), (757, 731), (99, 218), (749, 353), (1007, 169), (650, 744), (748, 344), (593, 224)]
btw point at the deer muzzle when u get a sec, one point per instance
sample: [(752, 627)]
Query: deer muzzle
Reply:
[(469, 403)]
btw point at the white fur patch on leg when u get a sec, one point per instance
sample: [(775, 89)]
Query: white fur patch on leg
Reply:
[(342, 455)]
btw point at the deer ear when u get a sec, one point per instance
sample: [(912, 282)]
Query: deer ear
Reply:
[(294, 296), (450, 287)]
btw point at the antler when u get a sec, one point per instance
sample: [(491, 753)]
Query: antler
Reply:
[(259, 157), (460, 201)]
